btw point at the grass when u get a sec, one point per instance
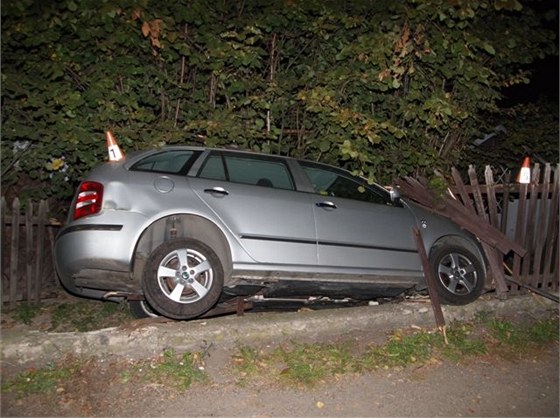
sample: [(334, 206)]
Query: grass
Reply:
[(72, 316), (311, 364), (305, 364), (82, 317), (179, 371), (43, 380), (26, 312)]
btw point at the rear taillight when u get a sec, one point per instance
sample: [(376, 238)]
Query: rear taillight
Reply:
[(89, 199)]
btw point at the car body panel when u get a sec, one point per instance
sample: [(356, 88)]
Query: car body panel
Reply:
[(357, 234), (274, 226)]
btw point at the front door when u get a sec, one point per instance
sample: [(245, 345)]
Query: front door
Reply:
[(358, 227), (255, 198)]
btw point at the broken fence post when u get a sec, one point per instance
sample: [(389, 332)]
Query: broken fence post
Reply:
[(430, 281)]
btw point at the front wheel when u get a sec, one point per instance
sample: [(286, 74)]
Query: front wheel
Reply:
[(183, 279), (459, 274)]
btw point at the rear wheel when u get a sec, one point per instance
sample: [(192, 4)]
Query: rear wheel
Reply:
[(459, 274), (183, 279)]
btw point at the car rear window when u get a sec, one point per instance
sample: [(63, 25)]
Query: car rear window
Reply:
[(247, 169), (168, 162)]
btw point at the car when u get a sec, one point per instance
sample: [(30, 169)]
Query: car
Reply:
[(179, 229)]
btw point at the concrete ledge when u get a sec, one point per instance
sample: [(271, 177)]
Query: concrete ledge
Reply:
[(147, 338)]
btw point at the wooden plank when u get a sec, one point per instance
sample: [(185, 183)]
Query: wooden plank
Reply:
[(51, 236), (491, 196), (530, 225), (520, 231), (454, 210), (496, 270), (479, 203), (3, 242), (505, 205), (14, 251), (28, 256), (536, 290), (551, 253), (461, 189), (430, 279), (39, 280), (53, 277), (540, 233), (500, 188)]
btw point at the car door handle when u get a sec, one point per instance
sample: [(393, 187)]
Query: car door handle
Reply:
[(327, 204), (217, 190)]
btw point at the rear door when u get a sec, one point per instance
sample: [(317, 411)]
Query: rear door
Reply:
[(255, 197), (358, 226)]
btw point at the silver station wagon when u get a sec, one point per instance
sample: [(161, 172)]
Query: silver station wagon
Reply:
[(177, 230)]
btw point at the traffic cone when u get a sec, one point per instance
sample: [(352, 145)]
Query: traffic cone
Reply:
[(524, 176), (115, 153)]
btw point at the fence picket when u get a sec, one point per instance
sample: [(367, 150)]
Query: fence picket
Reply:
[(42, 217), (28, 256), (3, 238), (476, 194), (505, 204), (551, 255), (14, 252), (520, 228), (542, 220), (491, 195), (530, 222), (462, 190)]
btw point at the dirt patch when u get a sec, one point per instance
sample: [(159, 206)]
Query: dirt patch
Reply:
[(481, 387)]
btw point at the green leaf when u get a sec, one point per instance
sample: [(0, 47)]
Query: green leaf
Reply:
[(489, 48)]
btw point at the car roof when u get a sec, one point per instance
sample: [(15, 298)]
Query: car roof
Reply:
[(134, 156)]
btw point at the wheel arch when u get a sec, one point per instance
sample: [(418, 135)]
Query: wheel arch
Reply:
[(176, 227)]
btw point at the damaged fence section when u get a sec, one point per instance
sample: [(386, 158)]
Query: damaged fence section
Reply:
[(517, 223)]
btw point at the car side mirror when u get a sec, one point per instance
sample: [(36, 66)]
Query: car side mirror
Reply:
[(395, 195)]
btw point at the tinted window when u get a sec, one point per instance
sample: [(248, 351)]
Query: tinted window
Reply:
[(330, 182), (248, 169), (213, 168), (169, 162)]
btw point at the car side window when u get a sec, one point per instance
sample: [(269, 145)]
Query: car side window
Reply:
[(167, 162), (328, 182), (248, 169), (213, 168)]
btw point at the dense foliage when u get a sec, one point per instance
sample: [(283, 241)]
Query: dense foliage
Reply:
[(384, 88)]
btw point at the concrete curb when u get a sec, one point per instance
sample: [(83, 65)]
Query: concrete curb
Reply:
[(148, 339)]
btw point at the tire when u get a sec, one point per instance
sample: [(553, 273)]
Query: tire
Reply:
[(459, 274), (142, 309), (183, 279)]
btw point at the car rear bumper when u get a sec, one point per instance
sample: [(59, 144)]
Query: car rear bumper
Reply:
[(94, 256)]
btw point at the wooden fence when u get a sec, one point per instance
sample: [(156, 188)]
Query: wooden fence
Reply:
[(27, 235), (526, 213)]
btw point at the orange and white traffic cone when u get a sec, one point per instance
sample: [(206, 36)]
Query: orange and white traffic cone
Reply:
[(115, 153), (524, 176)]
